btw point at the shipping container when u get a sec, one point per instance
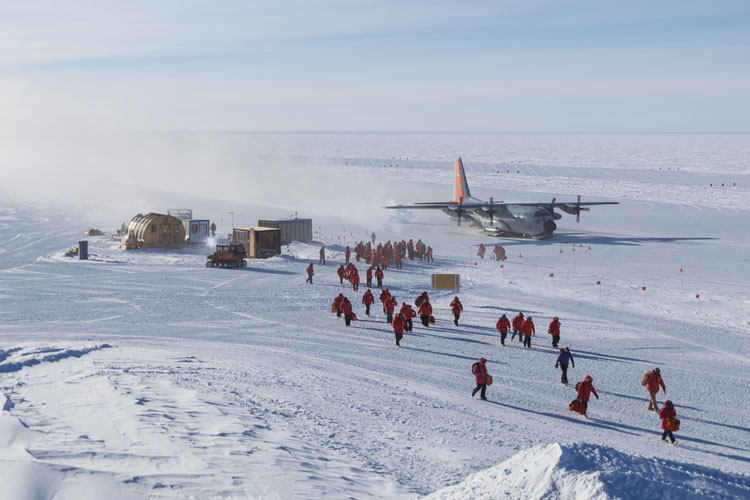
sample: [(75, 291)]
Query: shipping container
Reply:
[(291, 229), (446, 281), (259, 242)]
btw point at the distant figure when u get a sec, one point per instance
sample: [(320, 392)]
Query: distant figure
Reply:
[(367, 299), (322, 261), (354, 279), (336, 306), (390, 307), (368, 275), (502, 326), (456, 309), (399, 323), (346, 310), (584, 390), (479, 369), (527, 328), (517, 322), (425, 311), (379, 276), (668, 415), (372, 237), (554, 330), (563, 359), (213, 229), (310, 273), (481, 251), (347, 254), (653, 381), (341, 273)]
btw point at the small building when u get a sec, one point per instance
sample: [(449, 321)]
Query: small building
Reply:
[(197, 231), (291, 229), (157, 230), (259, 242)]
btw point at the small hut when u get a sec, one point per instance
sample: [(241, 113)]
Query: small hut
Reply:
[(157, 230), (259, 242)]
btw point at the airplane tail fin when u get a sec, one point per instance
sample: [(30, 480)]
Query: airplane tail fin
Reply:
[(460, 186)]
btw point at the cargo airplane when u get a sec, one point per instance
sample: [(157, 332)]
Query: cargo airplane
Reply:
[(527, 220)]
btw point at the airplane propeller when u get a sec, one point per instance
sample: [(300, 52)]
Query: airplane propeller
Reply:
[(578, 209)]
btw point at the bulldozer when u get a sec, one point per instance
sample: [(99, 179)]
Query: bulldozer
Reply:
[(228, 256)]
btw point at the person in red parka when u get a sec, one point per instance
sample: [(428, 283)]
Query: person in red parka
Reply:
[(527, 328), (379, 276), (554, 330), (517, 322), (479, 369), (585, 389), (456, 308), (346, 310), (368, 275), (354, 279), (337, 304), (665, 414), (652, 385), (367, 299), (384, 296), (425, 311), (310, 274), (341, 272), (421, 298), (398, 259), (502, 326), (347, 253), (481, 251), (399, 323), (410, 314), (390, 307)]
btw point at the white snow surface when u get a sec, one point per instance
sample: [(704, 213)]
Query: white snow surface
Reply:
[(146, 375)]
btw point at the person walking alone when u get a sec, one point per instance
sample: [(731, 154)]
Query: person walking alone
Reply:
[(554, 330), (310, 273), (425, 311), (399, 323), (584, 390), (479, 369), (563, 359), (666, 414), (456, 308), (517, 322), (322, 261), (367, 299), (653, 382)]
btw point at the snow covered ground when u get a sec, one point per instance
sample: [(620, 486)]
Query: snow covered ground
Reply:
[(145, 374)]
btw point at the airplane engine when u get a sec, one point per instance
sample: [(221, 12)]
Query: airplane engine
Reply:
[(549, 227)]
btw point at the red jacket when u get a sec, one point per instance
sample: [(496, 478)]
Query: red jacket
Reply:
[(480, 373), (347, 252), (502, 325), (425, 309), (517, 322), (654, 382), (664, 414), (354, 278), (368, 273), (419, 300), (368, 298), (554, 328), (527, 328), (337, 302), (390, 305), (585, 390), (410, 313), (341, 271), (310, 270), (457, 307), (384, 296), (399, 323), (379, 273), (346, 307)]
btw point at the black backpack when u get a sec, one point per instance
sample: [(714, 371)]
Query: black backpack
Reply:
[(474, 366), (578, 385)]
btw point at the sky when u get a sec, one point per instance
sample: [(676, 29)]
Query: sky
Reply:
[(361, 65)]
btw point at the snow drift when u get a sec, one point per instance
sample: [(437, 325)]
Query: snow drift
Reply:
[(586, 472)]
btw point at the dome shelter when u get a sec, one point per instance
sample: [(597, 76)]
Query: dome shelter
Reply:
[(157, 230)]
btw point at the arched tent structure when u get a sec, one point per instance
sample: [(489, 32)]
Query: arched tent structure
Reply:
[(157, 230)]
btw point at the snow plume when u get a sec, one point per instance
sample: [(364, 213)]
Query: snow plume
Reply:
[(591, 472)]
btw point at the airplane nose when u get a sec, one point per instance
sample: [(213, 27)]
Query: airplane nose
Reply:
[(549, 227)]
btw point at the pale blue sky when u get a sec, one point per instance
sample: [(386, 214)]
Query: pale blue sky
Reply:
[(366, 65)]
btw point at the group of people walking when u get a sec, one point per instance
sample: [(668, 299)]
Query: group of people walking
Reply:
[(401, 321)]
